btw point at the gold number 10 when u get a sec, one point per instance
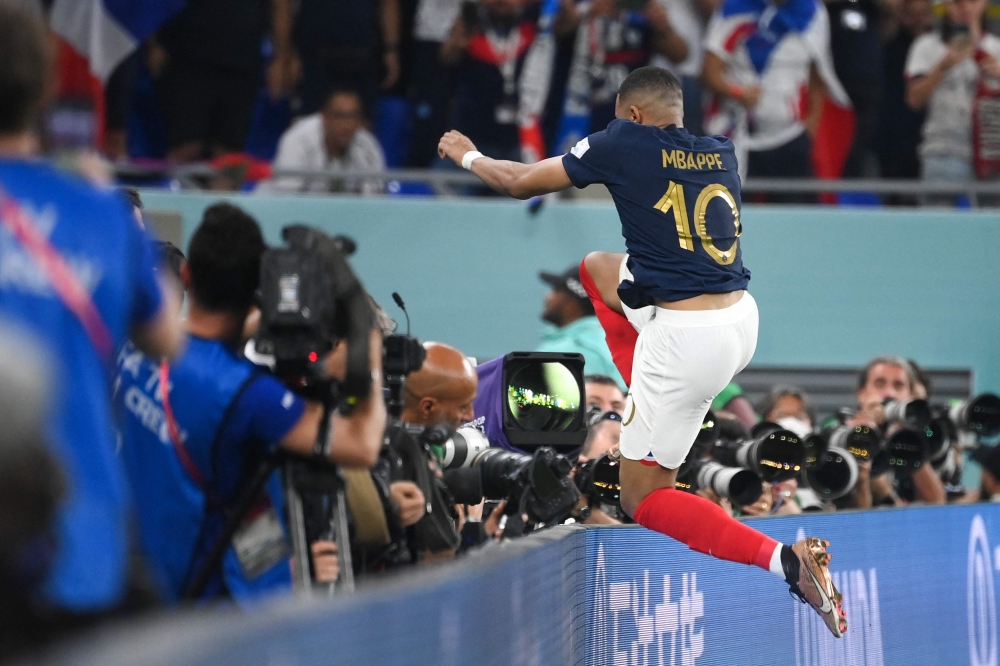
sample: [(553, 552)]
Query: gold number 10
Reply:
[(674, 199)]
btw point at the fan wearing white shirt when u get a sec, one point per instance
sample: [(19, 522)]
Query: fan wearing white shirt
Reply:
[(332, 140)]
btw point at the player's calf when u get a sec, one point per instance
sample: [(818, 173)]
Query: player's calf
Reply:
[(649, 496)]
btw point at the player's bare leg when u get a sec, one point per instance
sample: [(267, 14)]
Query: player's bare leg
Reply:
[(649, 497)]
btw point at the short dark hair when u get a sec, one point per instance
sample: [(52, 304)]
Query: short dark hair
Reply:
[(888, 360), (603, 380), (651, 80), (343, 90), (224, 259), (132, 196), (25, 64)]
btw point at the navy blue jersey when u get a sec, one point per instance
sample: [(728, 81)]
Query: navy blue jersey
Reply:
[(678, 197)]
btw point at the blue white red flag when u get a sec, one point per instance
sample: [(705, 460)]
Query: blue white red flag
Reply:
[(105, 32)]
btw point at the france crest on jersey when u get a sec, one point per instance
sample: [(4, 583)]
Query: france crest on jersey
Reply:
[(678, 197)]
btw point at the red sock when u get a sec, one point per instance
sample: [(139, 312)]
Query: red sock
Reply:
[(705, 527), (620, 335)]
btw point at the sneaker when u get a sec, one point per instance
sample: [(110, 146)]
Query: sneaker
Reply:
[(813, 585)]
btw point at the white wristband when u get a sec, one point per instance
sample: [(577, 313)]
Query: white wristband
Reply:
[(469, 158)]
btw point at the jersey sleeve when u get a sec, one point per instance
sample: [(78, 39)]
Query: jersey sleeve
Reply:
[(592, 160), (270, 409), (146, 297)]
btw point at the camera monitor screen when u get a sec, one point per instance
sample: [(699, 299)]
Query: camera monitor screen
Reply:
[(544, 399)]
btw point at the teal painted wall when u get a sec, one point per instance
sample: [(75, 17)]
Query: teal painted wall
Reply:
[(834, 286)]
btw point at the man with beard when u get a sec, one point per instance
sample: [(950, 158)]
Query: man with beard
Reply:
[(576, 329)]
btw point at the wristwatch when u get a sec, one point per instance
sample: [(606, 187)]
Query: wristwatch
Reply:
[(582, 514)]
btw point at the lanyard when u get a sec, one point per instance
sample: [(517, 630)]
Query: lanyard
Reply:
[(60, 276), (175, 436)]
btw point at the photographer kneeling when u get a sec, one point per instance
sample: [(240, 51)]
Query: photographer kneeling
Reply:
[(193, 431)]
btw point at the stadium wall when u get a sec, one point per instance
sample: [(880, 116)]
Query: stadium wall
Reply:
[(920, 584), (835, 286)]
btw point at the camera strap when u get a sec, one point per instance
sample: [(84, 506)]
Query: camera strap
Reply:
[(175, 437), (61, 277)]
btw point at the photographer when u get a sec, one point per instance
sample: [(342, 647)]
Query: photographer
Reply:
[(892, 378), (439, 394), (193, 431), (603, 391), (603, 435)]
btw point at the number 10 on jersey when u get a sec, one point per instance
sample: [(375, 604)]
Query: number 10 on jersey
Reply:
[(674, 200)]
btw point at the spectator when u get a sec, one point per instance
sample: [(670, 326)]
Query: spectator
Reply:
[(339, 43), (899, 126), (490, 54), (94, 232), (855, 42), (760, 58), (433, 80), (612, 42), (208, 61), (604, 392), (943, 70), (332, 140), (192, 430), (576, 329), (689, 19)]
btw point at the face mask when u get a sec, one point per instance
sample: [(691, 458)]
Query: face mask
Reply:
[(798, 426)]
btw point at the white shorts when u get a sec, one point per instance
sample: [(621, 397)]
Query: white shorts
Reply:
[(683, 359)]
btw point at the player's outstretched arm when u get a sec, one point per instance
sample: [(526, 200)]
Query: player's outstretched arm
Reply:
[(521, 181)]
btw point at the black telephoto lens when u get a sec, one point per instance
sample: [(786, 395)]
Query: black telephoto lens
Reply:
[(979, 415), (903, 452), (834, 476), (777, 456), (860, 441), (814, 446), (500, 470), (913, 412)]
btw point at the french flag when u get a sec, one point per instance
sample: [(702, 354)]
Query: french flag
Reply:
[(97, 35)]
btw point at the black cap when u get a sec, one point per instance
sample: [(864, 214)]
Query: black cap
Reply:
[(569, 282)]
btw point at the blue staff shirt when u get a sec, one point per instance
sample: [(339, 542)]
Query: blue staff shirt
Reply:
[(229, 413), (99, 239)]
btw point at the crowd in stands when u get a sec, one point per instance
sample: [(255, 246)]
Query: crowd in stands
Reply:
[(841, 88), (137, 448)]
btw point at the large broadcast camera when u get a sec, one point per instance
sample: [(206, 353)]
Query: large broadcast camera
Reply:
[(531, 400)]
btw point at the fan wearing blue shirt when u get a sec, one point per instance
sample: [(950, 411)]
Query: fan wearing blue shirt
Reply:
[(109, 263), (190, 441), (682, 286)]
